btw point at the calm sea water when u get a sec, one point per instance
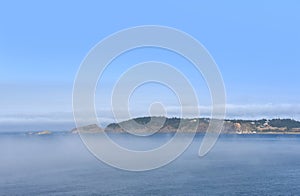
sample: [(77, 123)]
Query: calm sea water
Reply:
[(237, 165)]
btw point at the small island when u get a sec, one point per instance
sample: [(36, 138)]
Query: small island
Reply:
[(45, 132)]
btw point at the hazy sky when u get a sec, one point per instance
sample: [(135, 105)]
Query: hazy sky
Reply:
[(256, 45)]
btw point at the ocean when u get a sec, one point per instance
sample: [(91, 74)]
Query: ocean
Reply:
[(60, 164)]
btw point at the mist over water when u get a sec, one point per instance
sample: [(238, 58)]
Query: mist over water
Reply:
[(237, 165)]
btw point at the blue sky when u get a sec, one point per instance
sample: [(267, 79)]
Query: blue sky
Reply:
[(256, 45)]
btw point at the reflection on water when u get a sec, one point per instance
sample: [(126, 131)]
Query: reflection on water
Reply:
[(237, 165)]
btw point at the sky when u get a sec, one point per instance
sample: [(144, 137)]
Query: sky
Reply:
[(256, 45)]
